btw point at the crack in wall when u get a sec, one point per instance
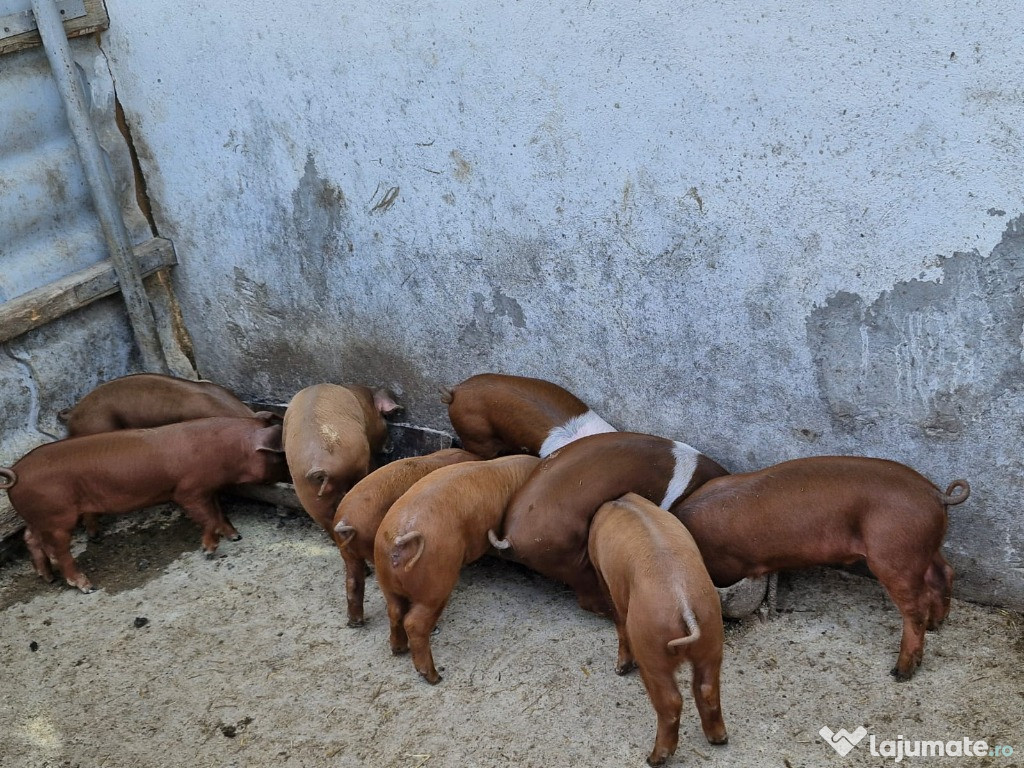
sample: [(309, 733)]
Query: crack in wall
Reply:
[(33, 389)]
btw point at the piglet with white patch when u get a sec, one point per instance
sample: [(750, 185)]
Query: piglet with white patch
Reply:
[(548, 520), (495, 414)]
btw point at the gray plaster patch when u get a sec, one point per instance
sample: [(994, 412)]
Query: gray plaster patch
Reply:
[(931, 354)]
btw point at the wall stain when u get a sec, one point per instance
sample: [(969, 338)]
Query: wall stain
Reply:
[(463, 170), (932, 354), (318, 211)]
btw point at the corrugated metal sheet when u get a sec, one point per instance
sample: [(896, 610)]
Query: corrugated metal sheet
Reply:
[(48, 227)]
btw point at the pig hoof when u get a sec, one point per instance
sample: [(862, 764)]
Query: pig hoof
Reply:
[(625, 669), (236, 537), (432, 678), (656, 761), (357, 623), (399, 650), (721, 741), (901, 677)]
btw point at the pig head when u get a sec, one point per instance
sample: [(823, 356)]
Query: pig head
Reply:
[(548, 520), (494, 414), (330, 436)]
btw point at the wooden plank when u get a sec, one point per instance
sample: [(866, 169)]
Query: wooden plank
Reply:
[(95, 20), (75, 291), (10, 523)]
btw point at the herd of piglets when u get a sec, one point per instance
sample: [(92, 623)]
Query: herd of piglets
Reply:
[(640, 527)]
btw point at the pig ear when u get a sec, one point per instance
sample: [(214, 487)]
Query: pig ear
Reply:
[(268, 417), (385, 403), (269, 439)]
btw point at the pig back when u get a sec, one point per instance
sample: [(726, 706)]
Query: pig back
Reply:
[(548, 519), (324, 425), (516, 411), (455, 506), (365, 505), (649, 561), (150, 400)]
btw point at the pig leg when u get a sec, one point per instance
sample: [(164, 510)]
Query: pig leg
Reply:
[(57, 545), (355, 580), (40, 562), (625, 663), (706, 696), (207, 514), (908, 590), (660, 682), (419, 623), (588, 591), (92, 526), (939, 578), (398, 607)]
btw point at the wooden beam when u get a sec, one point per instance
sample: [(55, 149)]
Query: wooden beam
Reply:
[(95, 20), (75, 291)]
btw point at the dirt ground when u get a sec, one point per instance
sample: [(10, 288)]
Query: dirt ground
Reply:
[(246, 661)]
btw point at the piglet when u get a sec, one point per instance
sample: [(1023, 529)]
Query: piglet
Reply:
[(494, 414), (666, 611), (830, 510), (330, 436), (547, 521), (52, 486), (150, 400), (436, 527), (359, 515)]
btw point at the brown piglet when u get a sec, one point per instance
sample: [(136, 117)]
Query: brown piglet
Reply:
[(359, 515), (666, 611), (331, 434), (831, 510), (495, 414), (150, 400), (439, 525), (54, 485)]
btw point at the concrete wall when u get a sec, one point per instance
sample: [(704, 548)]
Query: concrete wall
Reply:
[(772, 230)]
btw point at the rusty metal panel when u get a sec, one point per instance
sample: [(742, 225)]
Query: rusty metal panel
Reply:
[(48, 226)]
